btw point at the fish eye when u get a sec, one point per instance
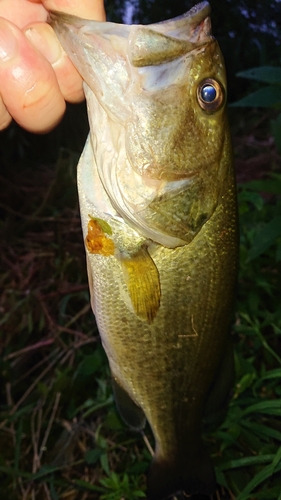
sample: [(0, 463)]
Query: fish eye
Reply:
[(210, 95)]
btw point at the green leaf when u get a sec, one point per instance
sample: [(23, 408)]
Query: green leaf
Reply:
[(104, 463), (277, 459), (265, 238), (90, 364), (250, 197), (263, 98), (103, 224), (271, 407), (272, 186), (266, 74), (271, 494), (245, 462), (245, 382), (53, 492), (266, 345), (113, 421), (98, 406), (262, 430), (92, 456), (21, 411), (261, 476), (11, 471), (276, 373), (45, 471), (221, 478), (87, 486)]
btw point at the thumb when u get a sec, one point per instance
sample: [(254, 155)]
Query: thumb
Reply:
[(88, 9)]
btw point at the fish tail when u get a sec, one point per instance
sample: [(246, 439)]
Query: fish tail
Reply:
[(189, 474)]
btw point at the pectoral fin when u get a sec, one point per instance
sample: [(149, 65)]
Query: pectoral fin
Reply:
[(131, 413), (142, 279), (97, 241)]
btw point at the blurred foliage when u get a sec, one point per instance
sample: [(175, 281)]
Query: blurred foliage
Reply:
[(19, 147), (60, 435), (266, 96), (269, 96)]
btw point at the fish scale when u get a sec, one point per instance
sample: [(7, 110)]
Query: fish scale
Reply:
[(158, 209)]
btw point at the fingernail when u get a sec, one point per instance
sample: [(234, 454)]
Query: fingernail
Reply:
[(8, 42), (44, 39)]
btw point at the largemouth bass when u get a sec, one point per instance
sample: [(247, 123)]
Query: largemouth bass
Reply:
[(158, 208)]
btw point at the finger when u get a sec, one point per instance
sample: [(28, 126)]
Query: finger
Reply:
[(88, 9), (28, 84), (20, 13), (43, 37), (5, 117)]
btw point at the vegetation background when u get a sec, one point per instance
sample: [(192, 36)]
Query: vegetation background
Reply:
[(60, 435)]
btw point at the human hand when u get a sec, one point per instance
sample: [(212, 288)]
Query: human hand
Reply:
[(36, 76)]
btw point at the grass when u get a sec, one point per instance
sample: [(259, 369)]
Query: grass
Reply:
[(60, 435)]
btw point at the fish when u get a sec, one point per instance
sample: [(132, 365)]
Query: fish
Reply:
[(159, 217)]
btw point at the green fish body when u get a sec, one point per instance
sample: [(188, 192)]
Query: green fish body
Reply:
[(158, 208)]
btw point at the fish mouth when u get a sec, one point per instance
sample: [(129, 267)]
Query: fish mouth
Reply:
[(193, 17)]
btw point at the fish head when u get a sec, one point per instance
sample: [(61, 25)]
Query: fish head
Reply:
[(156, 100)]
